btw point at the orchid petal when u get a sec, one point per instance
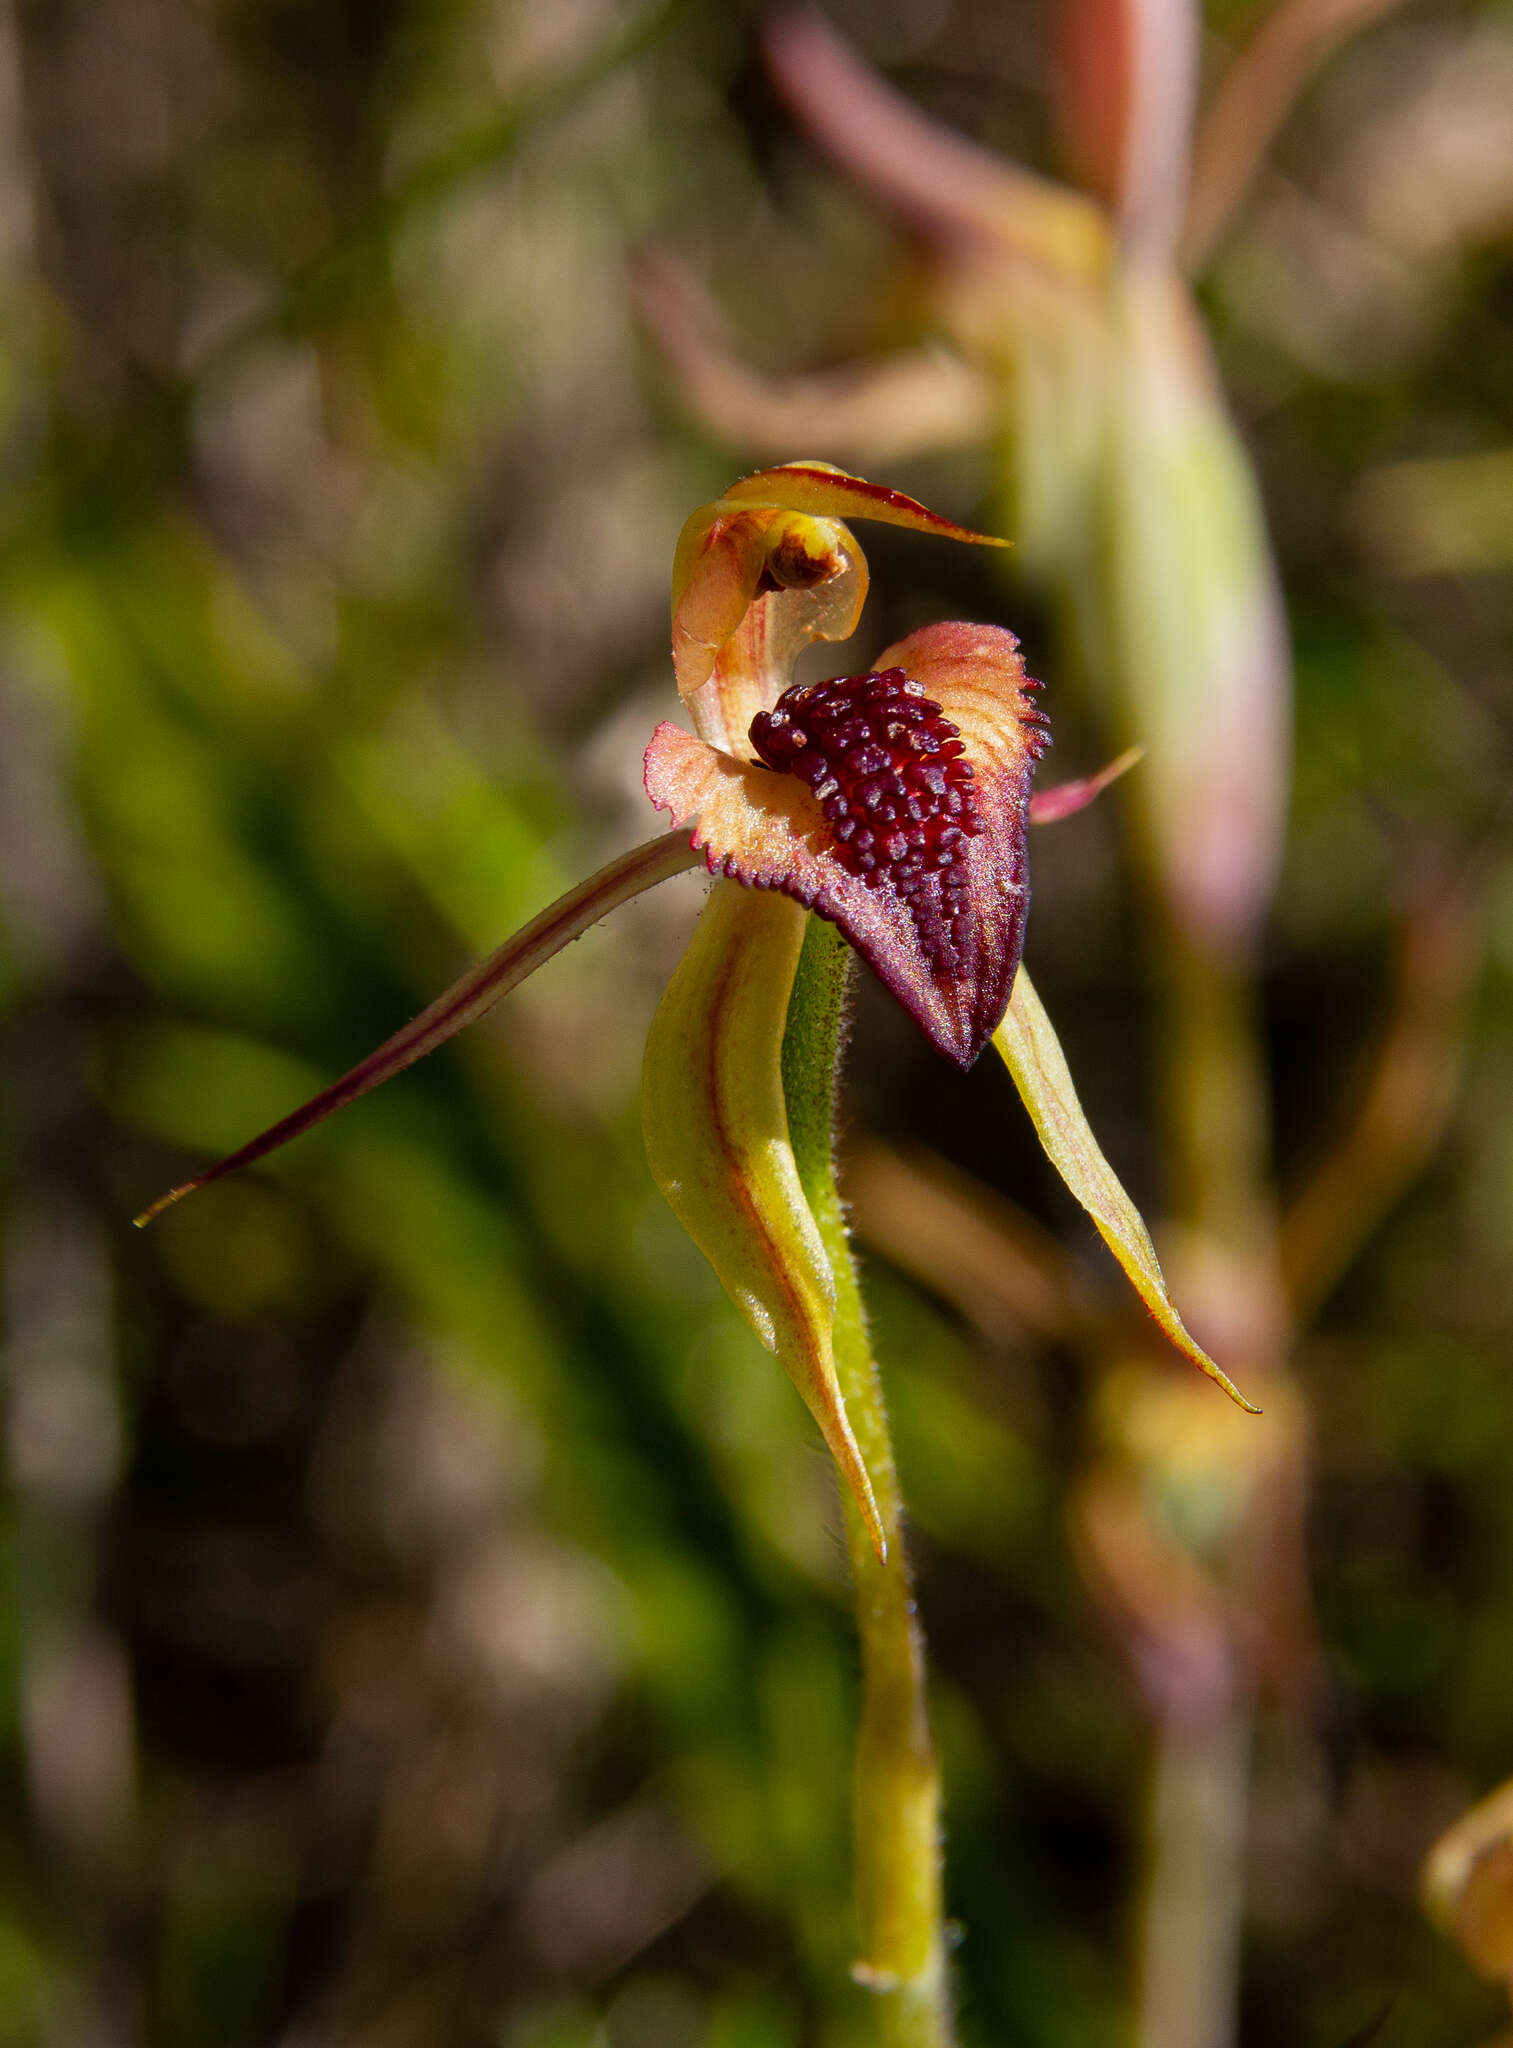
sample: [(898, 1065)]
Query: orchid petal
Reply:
[(468, 998), (1252, 100), (769, 831), (718, 1143), (941, 185), (884, 408), (764, 571), (827, 492), (1032, 1053), (728, 551), (1066, 799)]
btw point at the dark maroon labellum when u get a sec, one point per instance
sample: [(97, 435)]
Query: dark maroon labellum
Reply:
[(896, 790)]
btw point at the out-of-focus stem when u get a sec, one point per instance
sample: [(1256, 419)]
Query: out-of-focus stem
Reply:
[(1190, 1932), (1403, 1106), (1216, 1109), (896, 1814), (1253, 99), (1217, 1122)]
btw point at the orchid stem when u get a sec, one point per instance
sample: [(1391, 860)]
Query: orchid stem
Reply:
[(896, 1814), (1216, 1114), (1191, 1913), (1215, 1099)]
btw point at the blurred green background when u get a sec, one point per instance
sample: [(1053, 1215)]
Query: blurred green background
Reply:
[(424, 1616)]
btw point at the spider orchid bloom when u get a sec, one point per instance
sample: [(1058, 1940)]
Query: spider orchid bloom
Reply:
[(892, 804), (1057, 324)]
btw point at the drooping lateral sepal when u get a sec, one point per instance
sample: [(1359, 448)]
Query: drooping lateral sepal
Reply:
[(1032, 1053), (933, 899), (469, 997), (717, 1139)]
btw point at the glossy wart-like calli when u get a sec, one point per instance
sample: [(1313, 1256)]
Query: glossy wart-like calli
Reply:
[(890, 773), (896, 803)]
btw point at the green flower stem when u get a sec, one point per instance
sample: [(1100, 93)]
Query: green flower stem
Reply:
[(896, 1814)]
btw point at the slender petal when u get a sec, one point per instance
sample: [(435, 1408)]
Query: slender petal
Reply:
[(718, 1143), (827, 492), (881, 409), (1066, 799), (771, 831), (961, 197), (468, 998), (1032, 1053)]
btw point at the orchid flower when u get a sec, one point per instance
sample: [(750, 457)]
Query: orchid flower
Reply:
[(894, 806), (1058, 324)]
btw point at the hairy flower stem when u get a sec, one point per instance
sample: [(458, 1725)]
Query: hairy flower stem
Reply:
[(896, 1814)]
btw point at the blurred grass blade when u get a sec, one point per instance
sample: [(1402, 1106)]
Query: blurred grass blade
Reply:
[(1033, 1055), (357, 260), (467, 999), (718, 1142), (1252, 100)]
